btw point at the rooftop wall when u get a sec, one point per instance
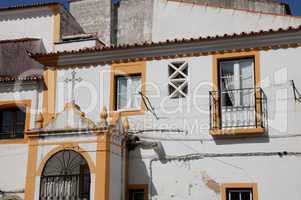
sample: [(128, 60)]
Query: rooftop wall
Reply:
[(93, 16), (270, 6)]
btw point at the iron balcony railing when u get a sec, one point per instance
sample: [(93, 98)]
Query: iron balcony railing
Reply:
[(238, 108)]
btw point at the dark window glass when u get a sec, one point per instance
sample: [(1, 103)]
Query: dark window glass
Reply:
[(12, 123), (239, 194), (136, 194)]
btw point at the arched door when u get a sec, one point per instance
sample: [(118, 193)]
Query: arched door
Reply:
[(66, 175)]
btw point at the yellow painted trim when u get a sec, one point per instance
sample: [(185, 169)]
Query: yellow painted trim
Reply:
[(49, 94), (137, 187), (30, 172), (215, 87), (236, 131), (14, 141), (50, 75), (18, 103), (71, 146), (127, 69), (225, 186), (64, 143), (56, 23), (102, 182)]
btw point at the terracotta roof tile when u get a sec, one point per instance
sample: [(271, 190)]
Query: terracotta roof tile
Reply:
[(15, 62), (24, 78), (167, 42)]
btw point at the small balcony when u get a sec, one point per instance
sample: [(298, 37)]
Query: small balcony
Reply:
[(238, 111)]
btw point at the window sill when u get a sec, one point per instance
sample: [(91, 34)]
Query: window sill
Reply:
[(13, 141), (237, 132), (131, 112)]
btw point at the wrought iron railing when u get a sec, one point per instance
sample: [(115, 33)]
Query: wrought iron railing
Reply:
[(67, 187), (238, 108)]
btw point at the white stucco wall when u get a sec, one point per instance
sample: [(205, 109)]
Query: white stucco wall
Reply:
[(87, 91), (116, 173), (14, 156), (34, 23), (185, 20), (13, 166), (276, 176)]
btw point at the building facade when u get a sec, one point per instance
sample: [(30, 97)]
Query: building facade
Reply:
[(131, 21), (207, 109)]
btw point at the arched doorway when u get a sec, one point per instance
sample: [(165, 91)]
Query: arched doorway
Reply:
[(66, 175)]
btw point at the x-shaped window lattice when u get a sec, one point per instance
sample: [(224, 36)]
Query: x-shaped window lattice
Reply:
[(178, 79)]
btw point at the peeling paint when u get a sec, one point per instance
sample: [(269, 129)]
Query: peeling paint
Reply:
[(210, 183)]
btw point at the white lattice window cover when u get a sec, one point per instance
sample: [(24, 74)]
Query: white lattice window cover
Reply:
[(178, 79)]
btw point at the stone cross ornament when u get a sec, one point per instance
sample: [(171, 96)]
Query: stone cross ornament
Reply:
[(73, 81)]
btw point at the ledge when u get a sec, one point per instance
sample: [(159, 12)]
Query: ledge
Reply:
[(14, 141), (237, 132)]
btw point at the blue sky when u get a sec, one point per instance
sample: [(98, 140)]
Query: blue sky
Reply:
[(294, 4)]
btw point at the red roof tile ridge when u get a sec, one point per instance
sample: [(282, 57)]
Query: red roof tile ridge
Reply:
[(19, 40), (166, 42), (21, 78)]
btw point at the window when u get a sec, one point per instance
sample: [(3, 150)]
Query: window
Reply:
[(239, 194), (12, 122), (128, 92), (237, 82), (237, 103), (239, 191), (138, 192), (237, 86), (126, 83), (178, 79)]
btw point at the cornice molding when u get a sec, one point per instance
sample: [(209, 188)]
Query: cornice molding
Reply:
[(165, 50)]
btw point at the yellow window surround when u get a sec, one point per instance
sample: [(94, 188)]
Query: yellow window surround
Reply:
[(131, 68), (252, 186), (18, 103), (215, 87)]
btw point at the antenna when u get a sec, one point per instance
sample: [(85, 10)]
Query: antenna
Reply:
[(148, 105), (297, 94)]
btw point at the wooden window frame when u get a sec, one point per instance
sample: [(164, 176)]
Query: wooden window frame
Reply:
[(138, 187), (215, 87), (13, 104), (124, 69), (226, 186)]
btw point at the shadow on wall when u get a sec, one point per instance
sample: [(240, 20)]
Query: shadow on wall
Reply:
[(19, 86), (141, 174), (248, 139), (11, 197)]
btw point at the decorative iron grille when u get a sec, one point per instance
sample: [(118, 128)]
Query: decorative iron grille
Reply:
[(65, 176)]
